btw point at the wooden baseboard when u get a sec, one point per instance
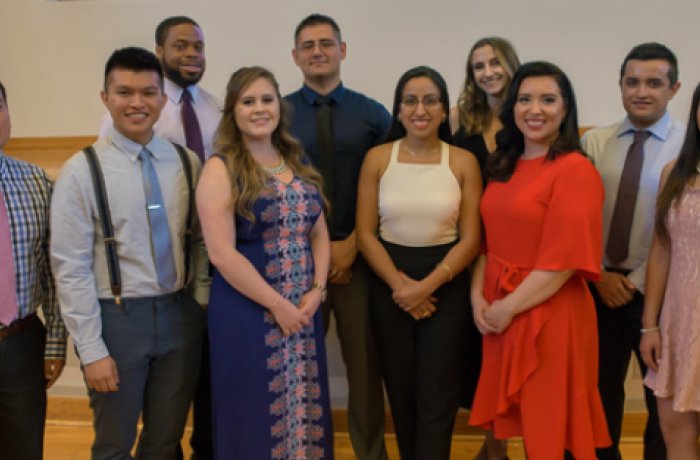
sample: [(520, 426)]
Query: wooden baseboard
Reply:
[(77, 409)]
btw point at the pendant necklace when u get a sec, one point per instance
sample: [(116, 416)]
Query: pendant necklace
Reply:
[(415, 154)]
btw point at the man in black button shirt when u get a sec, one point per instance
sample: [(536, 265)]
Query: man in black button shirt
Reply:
[(336, 140)]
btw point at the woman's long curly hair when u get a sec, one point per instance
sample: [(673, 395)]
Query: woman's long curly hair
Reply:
[(472, 105), (247, 177)]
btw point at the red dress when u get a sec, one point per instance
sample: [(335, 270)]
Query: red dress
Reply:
[(539, 378)]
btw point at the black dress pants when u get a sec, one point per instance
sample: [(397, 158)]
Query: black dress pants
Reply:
[(23, 393), (422, 361), (619, 337)]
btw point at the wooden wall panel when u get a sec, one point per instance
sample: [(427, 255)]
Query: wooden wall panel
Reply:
[(47, 152)]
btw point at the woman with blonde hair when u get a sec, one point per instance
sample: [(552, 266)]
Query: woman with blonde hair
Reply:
[(490, 66), (262, 218)]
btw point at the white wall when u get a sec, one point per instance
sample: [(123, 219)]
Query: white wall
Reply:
[(52, 52)]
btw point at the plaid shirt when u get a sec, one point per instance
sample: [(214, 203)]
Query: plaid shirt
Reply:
[(27, 192)]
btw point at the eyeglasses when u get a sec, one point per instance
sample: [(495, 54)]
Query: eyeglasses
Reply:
[(324, 43), (430, 101)]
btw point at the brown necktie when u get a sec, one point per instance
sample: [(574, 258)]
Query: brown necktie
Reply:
[(617, 248)]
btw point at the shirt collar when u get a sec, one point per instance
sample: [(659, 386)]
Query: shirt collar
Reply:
[(660, 130), (131, 148), (174, 91), (310, 95)]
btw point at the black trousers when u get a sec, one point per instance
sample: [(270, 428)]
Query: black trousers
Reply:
[(422, 362), (23, 393), (201, 439), (619, 337)]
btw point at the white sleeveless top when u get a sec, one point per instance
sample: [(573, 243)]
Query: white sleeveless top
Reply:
[(419, 203)]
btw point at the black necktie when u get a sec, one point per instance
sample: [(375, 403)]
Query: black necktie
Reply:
[(190, 124), (324, 129), (618, 245)]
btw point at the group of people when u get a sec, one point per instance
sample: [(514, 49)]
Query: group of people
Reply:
[(199, 248)]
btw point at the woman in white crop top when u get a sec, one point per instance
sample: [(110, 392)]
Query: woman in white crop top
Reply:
[(418, 228)]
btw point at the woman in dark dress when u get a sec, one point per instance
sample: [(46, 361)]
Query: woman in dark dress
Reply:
[(490, 66), (262, 218), (491, 63)]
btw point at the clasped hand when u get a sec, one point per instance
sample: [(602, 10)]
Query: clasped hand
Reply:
[(292, 319), (615, 290), (494, 318), (414, 298)]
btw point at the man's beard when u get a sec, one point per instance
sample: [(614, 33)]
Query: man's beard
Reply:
[(174, 75)]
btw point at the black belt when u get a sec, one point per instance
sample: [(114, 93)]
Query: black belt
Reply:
[(621, 271), (16, 326), (158, 297)]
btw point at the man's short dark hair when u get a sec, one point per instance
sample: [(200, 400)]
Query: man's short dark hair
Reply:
[(4, 94), (315, 20), (135, 59), (168, 23), (651, 51)]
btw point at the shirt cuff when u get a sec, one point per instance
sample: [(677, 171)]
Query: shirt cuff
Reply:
[(55, 348), (638, 277), (91, 352)]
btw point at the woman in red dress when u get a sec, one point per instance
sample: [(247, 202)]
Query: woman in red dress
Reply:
[(543, 239)]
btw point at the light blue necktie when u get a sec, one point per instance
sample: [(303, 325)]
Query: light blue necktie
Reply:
[(161, 244)]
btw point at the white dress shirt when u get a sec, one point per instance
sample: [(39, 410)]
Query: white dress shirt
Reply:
[(169, 125), (77, 243), (608, 146)]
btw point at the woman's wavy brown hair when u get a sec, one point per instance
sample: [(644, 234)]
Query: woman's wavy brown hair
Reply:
[(473, 108), (247, 177)]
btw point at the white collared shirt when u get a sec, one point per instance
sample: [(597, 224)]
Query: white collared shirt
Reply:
[(608, 147), (169, 125)]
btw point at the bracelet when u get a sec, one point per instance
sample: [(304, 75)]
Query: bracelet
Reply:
[(275, 302), (321, 288), (447, 269), (644, 330)]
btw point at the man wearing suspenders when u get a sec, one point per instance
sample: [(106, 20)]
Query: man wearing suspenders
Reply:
[(129, 262)]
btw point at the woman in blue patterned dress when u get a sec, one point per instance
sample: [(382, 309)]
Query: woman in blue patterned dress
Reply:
[(262, 218)]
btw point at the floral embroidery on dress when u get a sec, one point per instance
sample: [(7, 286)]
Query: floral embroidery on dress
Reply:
[(293, 209)]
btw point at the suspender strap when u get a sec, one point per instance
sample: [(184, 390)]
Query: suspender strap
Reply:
[(187, 169), (98, 183)]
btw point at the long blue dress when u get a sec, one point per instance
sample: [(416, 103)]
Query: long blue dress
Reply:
[(270, 393)]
